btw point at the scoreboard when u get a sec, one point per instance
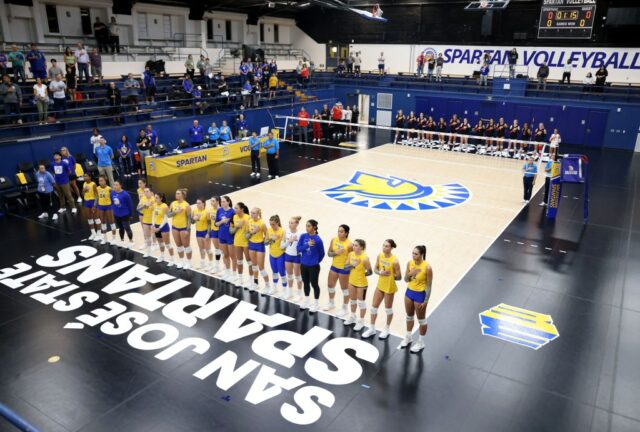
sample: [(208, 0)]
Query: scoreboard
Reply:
[(566, 19)]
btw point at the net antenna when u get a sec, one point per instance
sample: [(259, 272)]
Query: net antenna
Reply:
[(487, 5)]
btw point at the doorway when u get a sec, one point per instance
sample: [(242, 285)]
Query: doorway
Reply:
[(363, 105)]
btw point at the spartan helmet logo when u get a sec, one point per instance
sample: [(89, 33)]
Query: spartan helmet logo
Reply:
[(429, 52)]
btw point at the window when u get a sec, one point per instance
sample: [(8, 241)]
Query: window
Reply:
[(261, 32), (276, 33), (52, 18), (227, 30), (85, 19), (209, 29), (166, 27), (143, 32)]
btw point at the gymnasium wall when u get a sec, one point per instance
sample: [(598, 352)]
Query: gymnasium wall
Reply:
[(592, 124)]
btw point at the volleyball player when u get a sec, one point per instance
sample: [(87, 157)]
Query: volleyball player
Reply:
[(89, 194), (418, 276), (339, 250), (554, 142), (257, 236), (275, 235), (214, 232), (478, 130), (180, 212), (105, 214), (73, 178), (388, 269), (490, 132), (311, 252), (400, 119), (161, 227), (501, 129), (539, 136), (145, 208), (240, 230), (200, 216), (224, 217), (142, 184), (292, 259), (442, 129), (421, 123), (316, 126), (463, 130), (514, 132), (359, 268), (122, 207), (411, 125), (526, 136), (453, 127)]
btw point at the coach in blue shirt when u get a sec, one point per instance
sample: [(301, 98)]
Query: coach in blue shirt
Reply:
[(272, 146), (196, 133), (529, 170), (214, 133), (104, 153)]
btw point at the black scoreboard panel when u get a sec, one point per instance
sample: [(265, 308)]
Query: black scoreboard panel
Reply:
[(566, 19)]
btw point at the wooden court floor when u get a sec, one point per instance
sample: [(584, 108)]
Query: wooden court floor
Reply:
[(456, 235)]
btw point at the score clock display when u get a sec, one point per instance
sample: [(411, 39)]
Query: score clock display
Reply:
[(566, 19)]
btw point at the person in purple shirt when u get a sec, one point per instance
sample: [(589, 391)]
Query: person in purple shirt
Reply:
[(311, 252), (3, 64), (61, 173), (241, 127), (37, 62), (196, 133), (152, 135), (122, 207), (244, 72)]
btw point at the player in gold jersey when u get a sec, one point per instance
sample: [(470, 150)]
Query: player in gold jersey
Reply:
[(145, 211), (257, 236), (89, 194), (275, 236), (418, 276), (339, 249), (359, 268), (180, 212), (161, 228), (201, 219)]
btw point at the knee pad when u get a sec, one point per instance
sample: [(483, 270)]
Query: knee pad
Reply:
[(187, 250), (209, 252), (422, 321), (331, 290), (353, 302), (179, 249), (263, 273), (290, 278), (113, 227), (345, 293), (388, 311), (362, 304), (239, 262), (96, 221), (255, 268), (373, 310), (169, 247), (249, 263), (299, 278), (203, 252), (410, 318), (104, 227)]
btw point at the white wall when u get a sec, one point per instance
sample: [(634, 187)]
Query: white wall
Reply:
[(317, 52), (623, 64)]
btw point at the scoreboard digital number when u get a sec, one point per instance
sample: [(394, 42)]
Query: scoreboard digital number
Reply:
[(566, 19)]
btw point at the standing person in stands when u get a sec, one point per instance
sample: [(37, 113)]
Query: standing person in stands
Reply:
[(114, 36), (304, 75), (601, 77), (82, 59), (115, 100), (208, 73), (242, 127), (196, 134), (311, 251), (46, 184), (41, 96), (122, 207), (381, 64), (400, 119), (439, 65), (3, 63), (513, 61), (566, 73), (255, 145), (149, 85), (104, 154), (349, 62), (101, 32), (325, 115), (273, 67), (543, 74), (71, 78), (190, 67), (70, 61), (11, 95), (303, 125), (58, 89), (37, 62), (54, 70), (255, 92), (317, 126), (73, 177), (95, 60), (244, 72), (132, 87), (540, 136), (357, 64), (484, 74), (431, 65), (61, 175), (273, 85), (225, 132), (272, 146), (200, 67), (529, 170), (124, 156), (420, 61), (143, 143), (17, 59)]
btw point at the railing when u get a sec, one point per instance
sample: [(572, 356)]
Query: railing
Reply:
[(504, 71), (187, 40)]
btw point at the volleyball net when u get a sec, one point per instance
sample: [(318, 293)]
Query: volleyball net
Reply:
[(464, 139)]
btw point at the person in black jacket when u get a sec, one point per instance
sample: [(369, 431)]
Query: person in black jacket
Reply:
[(543, 74), (513, 60), (113, 95), (601, 77)]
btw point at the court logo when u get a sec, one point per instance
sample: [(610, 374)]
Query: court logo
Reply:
[(395, 193), (519, 326)]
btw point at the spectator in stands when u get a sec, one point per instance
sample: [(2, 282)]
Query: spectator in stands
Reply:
[(152, 134), (3, 63), (304, 75), (513, 61), (149, 85), (196, 134), (325, 115), (242, 127), (342, 66), (46, 183), (543, 74), (41, 96), (223, 90), (420, 65), (69, 60), (143, 142), (258, 75), (244, 72), (588, 82), (431, 65), (37, 62), (61, 174), (357, 64), (566, 73), (245, 91), (54, 70), (190, 67), (16, 58), (83, 62), (115, 100), (439, 65), (95, 139), (95, 60), (58, 90), (303, 125), (272, 146), (601, 77), (255, 93), (187, 85), (104, 153), (72, 83), (317, 126), (200, 67), (381, 64), (484, 74), (101, 32), (349, 63), (208, 73), (273, 85), (273, 68), (486, 58), (225, 132), (11, 95), (124, 156), (214, 134), (114, 36), (132, 88)]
